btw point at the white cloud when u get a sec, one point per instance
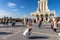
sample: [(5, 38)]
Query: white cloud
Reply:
[(12, 5), (22, 6), (4, 13)]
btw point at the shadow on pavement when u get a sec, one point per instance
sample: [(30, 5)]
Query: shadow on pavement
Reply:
[(45, 27), (38, 37), (9, 26), (19, 26), (5, 33)]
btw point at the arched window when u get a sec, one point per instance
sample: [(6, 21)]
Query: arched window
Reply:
[(46, 15), (51, 14), (41, 15), (37, 15), (32, 14)]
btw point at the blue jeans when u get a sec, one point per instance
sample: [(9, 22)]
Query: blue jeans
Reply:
[(39, 25)]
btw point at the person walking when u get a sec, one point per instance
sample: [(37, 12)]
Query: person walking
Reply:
[(28, 31), (6, 22), (13, 22), (52, 24), (3, 21), (39, 23), (30, 27)]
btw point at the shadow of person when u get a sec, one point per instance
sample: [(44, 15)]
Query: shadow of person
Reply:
[(38, 37), (19, 26), (5, 33), (9, 26)]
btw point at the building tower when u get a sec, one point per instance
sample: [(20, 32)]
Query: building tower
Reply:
[(43, 5), (43, 12)]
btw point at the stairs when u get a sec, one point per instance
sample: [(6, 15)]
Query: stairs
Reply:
[(46, 25)]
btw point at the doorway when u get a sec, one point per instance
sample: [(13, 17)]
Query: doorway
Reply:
[(42, 19), (46, 19)]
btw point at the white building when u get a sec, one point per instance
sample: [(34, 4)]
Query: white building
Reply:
[(43, 11)]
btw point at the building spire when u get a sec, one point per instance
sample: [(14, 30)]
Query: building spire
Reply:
[(43, 5)]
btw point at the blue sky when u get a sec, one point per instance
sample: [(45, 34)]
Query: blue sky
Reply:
[(20, 8)]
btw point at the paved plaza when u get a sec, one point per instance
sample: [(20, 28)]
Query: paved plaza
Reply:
[(16, 33)]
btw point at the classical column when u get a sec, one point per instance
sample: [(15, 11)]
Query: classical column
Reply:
[(44, 19), (24, 20), (43, 6), (40, 18), (46, 5), (36, 20), (48, 19), (32, 21)]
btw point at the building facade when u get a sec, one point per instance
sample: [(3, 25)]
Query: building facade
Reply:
[(43, 12)]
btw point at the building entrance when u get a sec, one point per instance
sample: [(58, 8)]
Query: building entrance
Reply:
[(46, 19), (42, 19)]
